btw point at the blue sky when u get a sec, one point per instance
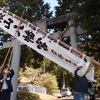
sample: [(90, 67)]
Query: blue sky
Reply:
[(52, 3)]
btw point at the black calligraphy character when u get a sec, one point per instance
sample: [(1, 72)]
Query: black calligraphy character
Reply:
[(66, 60), (60, 55), (39, 42), (54, 52), (1, 16), (75, 64), (41, 45), (8, 23), (44, 46), (29, 36), (21, 28)]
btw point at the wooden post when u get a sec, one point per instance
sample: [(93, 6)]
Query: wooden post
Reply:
[(15, 65)]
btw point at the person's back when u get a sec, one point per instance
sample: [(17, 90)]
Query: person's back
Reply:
[(81, 83)]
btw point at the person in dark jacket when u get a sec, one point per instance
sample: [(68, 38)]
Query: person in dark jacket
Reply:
[(81, 83), (5, 83)]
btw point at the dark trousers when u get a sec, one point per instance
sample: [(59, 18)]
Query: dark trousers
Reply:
[(5, 95), (92, 97)]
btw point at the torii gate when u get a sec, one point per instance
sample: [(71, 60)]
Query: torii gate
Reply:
[(39, 40)]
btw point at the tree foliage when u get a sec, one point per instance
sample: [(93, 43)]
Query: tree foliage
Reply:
[(29, 57), (64, 6), (61, 73), (37, 77), (33, 9)]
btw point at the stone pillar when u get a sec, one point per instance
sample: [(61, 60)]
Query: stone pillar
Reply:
[(73, 34), (15, 65), (42, 24)]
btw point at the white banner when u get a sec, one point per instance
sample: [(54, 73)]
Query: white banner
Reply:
[(39, 43)]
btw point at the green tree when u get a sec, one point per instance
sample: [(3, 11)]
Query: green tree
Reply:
[(30, 58), (63, 76), (64, 6), (33, 9)]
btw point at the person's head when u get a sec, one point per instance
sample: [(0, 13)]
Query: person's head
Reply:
[(80, 65), (5, 70)]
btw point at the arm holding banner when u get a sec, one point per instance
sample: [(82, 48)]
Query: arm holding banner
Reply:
[(84, 68)]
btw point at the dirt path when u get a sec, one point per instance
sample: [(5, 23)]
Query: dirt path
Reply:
[(47, 97), (50, 97)]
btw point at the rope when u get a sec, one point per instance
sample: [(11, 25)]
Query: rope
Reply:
[(14, 39), (9, 62)]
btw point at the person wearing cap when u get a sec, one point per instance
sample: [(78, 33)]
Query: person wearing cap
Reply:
[(81, 82), (5, 83)]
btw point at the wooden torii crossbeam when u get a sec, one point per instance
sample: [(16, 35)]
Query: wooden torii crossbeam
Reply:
[(36, 29)]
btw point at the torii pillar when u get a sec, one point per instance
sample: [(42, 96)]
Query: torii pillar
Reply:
[(42, 24), (15, 65), (73, 34)]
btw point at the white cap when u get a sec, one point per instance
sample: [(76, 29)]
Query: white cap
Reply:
[(81, 64)]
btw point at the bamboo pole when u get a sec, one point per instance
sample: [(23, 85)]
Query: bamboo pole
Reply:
[(50, 36)]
